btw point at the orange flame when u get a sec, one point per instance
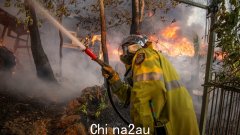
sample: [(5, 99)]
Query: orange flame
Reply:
[(150, 13), (112, 52), (170, 32), (95, 38), (218, 55), (169, 41), (115, 52)]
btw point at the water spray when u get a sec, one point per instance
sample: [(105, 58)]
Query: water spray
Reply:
[(67, 33), (82, 48)]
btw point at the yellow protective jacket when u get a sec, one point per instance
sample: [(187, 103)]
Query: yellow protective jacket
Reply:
[(156, 80)]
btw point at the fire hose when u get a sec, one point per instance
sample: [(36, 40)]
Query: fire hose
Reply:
[(101, 63)]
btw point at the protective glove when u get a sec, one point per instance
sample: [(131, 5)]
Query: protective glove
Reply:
[(110, 74)]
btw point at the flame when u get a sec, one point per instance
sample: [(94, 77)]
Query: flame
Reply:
[(96, 46), (115, 52), (219, 55), (112, 52), (95, 38), (170, 32), (169, 41), (150, 13)]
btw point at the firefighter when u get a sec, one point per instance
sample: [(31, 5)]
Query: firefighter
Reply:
[(153, 89)]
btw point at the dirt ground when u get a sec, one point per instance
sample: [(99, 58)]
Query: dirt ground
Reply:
[(23, 115)]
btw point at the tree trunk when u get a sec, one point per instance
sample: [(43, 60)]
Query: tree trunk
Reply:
[(61, 41), (135, 27), (137, 16), (60, 49), (103, 32), (43, 67), (141, 13)]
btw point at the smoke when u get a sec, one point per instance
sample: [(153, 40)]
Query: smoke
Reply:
[(78, 71), (191, 21)]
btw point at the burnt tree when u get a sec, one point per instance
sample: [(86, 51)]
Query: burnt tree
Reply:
[(103, 32), (60, 49), (43, 67), (137, 16), (60, 16)]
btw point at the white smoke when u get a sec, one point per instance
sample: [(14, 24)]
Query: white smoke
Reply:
[(79, 71)]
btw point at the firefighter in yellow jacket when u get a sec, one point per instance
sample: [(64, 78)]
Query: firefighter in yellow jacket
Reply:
[(157, 97)]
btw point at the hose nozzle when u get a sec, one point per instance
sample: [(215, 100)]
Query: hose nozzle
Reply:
[(94, 57)]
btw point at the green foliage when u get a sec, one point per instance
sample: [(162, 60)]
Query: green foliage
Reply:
[(83, 108), (58, 8), (93, 104), (102, 106), (118, 13), (164, 5), (227, 29), (22, 19)]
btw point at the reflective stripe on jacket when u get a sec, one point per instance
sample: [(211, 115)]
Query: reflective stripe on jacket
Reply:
[(174, 109), (156, 80)]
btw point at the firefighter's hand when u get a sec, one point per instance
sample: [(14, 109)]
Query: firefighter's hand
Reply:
[(109, 73)]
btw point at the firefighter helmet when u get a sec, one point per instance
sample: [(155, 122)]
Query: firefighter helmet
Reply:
[(129, 47)]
